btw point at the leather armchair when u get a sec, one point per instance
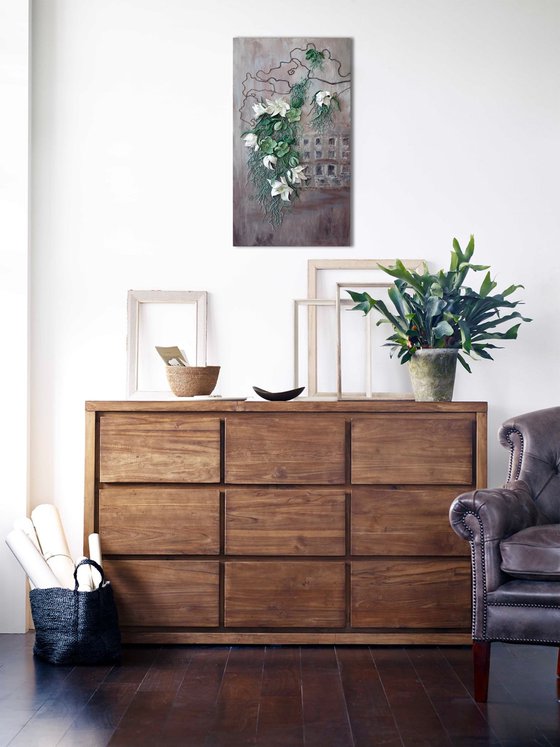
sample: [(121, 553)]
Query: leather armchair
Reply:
[(514, 533)]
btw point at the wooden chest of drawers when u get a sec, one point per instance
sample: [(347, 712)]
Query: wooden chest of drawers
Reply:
[(289, 522)]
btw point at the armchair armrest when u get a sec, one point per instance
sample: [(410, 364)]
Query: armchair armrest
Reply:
[(484, 518), (496, 513)]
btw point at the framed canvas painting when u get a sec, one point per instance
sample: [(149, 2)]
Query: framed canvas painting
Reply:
[(292, 141)]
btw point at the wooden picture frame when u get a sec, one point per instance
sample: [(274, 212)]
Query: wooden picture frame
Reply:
[(136, 304), (369, 322), (314, 268), (310, 303)]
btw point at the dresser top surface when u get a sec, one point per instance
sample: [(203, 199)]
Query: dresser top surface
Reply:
[(300, 405)]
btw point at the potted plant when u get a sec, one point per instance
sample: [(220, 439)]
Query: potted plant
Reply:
[(437, 319)]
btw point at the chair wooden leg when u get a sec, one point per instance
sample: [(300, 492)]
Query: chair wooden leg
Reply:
[(481, 663)]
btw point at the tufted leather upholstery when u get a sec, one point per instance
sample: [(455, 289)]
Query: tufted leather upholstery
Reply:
[(534, 443), (516, 528)]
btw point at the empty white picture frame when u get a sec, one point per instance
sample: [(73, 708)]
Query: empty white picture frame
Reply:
[(164, 318)]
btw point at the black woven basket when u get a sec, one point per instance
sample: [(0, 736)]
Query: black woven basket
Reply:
[(76, 627)]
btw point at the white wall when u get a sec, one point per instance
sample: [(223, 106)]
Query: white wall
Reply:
[(457, 130), (14, 238)]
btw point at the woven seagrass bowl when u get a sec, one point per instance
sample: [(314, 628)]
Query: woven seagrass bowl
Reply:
[(192, 381)]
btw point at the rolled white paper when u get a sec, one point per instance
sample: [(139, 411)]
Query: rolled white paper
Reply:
[(85, 581), (31, 560), (26, 525), (94, 543), (53, 543)]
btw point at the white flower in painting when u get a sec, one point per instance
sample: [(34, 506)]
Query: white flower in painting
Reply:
[(279, 106), (269, 161), (282, 188), (259, 109), (251, 140), (296, 175), (323, 98)]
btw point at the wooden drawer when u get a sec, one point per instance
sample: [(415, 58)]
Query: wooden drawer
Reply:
[(287, 594), (413, 449), (285, 522), (285, 449), (159, 447), (159, 520), (165, 592), (403, 521), (411, 593)]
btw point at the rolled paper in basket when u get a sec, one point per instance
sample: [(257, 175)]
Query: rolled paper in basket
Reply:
[(53, 543), (83, 574), (26, 526), (94, 543), (31, 560)]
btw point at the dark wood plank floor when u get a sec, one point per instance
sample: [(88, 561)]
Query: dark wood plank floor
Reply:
[(209, 696)]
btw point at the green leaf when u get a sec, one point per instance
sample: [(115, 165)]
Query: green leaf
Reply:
[(397, 299), (356, 296), (465, 335), (434, 306), (478, 268), (443, 329), (511, 289), (469, 250), (510, 334), (458, 251), (267, 145), (487, 286), (454, 262), (464, 363), (479, 350)]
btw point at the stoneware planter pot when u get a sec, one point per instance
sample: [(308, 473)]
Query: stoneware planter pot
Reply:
[(432, 374)]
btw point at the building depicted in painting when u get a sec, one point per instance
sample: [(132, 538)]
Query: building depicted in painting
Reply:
[(327, 156)]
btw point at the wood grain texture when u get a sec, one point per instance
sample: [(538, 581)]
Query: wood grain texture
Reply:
[(368, 710), (281, 713), (285, 449), (269, 696), (282, 523), (159, 520), (481, 449), (285, 522), (180, 593), (168, 447), (409, 703), (411, 593), (325, 713), (90, 478), (280, 594), (300, 405), (410, 449), (404, 637), (404, 521)]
